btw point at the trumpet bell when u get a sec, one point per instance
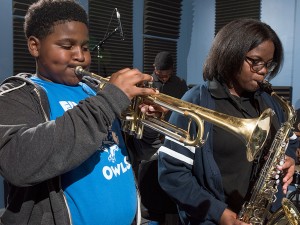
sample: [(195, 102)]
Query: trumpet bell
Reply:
[(253, 132), (256, 139)]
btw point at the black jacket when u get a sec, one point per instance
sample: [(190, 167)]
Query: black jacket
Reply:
[(34, 153), (175, 86)]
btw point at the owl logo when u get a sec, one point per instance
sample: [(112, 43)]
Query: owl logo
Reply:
[(112, 146), (112, 153)]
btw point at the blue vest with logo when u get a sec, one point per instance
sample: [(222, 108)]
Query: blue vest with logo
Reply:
[(100, 191)]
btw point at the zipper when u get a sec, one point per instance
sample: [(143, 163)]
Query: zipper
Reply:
[(66, 202), (40, 101)]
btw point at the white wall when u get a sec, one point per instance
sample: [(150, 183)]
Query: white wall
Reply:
[(138, 9), (296, 58), (202, 34), (6, 43), (184, 42), (283, 17)]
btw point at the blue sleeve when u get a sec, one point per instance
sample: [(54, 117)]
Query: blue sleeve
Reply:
[(292, 147)]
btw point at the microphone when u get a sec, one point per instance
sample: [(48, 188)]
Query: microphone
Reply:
[(120, 28)]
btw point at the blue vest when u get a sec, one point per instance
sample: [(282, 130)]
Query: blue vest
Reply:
[(100, 191)]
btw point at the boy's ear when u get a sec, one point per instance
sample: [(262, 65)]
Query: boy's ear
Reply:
[(33, 44)]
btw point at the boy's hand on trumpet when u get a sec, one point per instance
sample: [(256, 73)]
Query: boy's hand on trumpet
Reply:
[(130, 81), (153, 110)]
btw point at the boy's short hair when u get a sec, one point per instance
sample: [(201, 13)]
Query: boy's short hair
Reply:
[(44, 14), (163, 61)]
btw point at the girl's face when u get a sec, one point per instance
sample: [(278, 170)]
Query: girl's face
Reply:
[(60, 52), (249, 77)]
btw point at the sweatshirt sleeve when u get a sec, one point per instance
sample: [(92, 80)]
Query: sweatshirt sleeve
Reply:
[(177, 178), (292, 146), (187, 175), (32, 150)]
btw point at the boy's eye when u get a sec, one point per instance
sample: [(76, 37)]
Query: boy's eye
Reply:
[(66, 46), (85, 48)]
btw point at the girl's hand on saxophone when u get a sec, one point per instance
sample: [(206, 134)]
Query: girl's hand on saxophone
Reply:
[(288, 170), (230, 218)]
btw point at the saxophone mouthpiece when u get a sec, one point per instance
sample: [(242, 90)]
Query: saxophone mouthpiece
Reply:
[(266, 86)]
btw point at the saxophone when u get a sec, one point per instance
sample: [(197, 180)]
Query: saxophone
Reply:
[(257, 210)]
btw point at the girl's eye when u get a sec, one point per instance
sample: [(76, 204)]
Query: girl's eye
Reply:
[(257, 62)]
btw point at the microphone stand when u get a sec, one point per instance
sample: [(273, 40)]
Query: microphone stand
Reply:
[(98, 46)]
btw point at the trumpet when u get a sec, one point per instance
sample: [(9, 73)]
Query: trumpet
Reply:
[(252, 132)]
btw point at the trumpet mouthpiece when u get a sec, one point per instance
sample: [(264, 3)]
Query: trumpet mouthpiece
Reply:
[(79, 71)]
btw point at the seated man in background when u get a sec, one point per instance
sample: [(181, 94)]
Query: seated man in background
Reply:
[(164, 78), (157, 206)]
